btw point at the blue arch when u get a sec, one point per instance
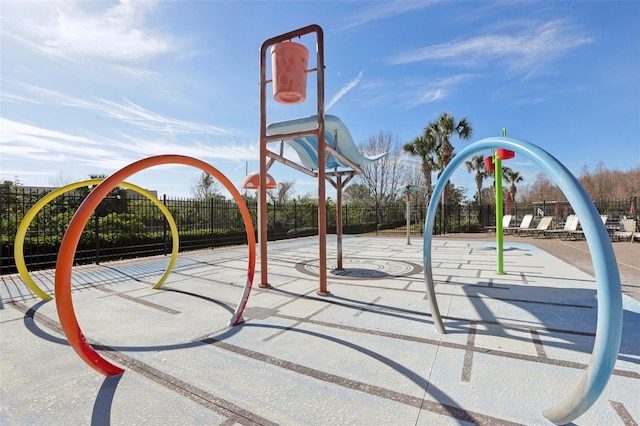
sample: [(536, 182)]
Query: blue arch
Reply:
[(609, 326)]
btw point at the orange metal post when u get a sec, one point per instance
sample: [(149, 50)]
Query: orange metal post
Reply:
[(319, 132), (339, 219), (322, 207)]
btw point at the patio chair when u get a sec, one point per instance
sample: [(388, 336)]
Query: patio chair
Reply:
[(627, 230), (570, 225), (506, 221), (524, 224), (543, 225), (579, 233)]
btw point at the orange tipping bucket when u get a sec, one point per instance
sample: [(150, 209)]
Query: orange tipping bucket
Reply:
[(289, 66), (505, 154), (488, 164)]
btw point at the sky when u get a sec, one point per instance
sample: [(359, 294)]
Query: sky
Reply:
[(87, 87)]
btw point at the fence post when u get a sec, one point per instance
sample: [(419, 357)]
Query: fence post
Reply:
[(376, 213), (635, 214), (295, 218), (211, 221), (346, 215), (314, 218), (96, 230), (164, 227), (468, 217), (274, 221)]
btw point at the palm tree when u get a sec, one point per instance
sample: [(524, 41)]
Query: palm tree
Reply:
[(476, 164), (424, 146), (442, 129), (512, 177)]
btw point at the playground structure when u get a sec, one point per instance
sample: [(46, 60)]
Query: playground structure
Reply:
[(497, 155), (71, 237), (323, 143), (609, 324), (31, 214), (316, 140)]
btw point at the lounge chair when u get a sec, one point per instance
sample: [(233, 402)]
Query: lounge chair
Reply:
[(524, 224), (506, 221), (627, 230), (579, 234), (570, 225), (543, 225)]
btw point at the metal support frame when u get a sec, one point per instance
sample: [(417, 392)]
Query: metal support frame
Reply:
[(499, 237), (408, 201), (338, 185), (319, 132)]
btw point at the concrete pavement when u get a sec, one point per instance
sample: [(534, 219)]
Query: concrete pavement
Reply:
[(516, 344)]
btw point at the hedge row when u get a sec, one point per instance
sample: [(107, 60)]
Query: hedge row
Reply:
[(40, 252)]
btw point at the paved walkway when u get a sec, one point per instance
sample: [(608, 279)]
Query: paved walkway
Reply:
[(576, 253), (516, 344)]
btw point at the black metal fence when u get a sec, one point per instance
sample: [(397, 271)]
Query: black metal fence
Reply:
[(126, 226)]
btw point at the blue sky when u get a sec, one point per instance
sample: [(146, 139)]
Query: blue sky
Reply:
[(88, 86)]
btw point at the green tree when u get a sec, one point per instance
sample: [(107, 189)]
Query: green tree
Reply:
[(282, 194), (205, 187), (476, 164), (424, 147), (512, 177), (8, 195), (114, 202), (383, 176), (357, 193), (442, 130)]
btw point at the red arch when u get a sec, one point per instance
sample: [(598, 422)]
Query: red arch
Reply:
[(69, 244)]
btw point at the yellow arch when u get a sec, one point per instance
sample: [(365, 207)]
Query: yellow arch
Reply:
[(18, 249)]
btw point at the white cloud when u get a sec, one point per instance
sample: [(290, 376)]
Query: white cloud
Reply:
[(116, 35), (24, 140), (345, 89), (40, 145), (126, 111), (409, 94), (221, 151), (152, 121), (383, 10), (430, 96), (431, 91), (524, 51)]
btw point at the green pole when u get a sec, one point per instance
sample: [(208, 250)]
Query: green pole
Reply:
[(499, 246)]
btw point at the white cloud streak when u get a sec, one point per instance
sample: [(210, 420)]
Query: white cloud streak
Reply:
[(116, 34), (345, 89), (384, 10), (127, 111), (220, 151), (412, 94), (432, 91), (24, 141), (20, 140), (531, 48), (152, 121)]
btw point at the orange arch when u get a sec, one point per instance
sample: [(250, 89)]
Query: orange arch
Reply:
[(66, 254)]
